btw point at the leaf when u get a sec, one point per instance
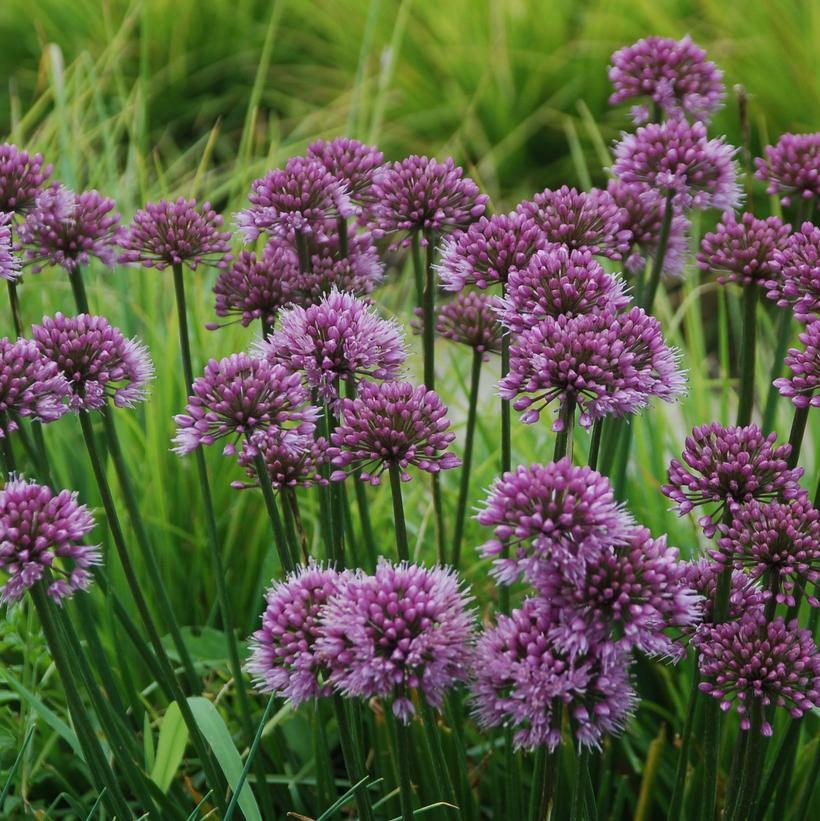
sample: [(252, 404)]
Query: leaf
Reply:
[(216, 734), (17, 761), (148, 743), (173, 738), (207, 646)]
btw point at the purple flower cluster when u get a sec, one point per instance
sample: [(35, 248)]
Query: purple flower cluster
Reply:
[(803, 386), (239, 395), (44, 531), (472, 319), (292, 459), (422, 196), (21, 178), (674, 74), (97, 361), (172, 233), (797, 265), (349, 161), (392, 423), (744, 597), (791, 167), (9, 263)]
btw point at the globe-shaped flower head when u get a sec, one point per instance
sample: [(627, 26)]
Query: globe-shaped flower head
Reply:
[(292, 459), (472, 319), (421, 196), (284, 658), (21, 178), (30, 385), (802, 386), (392, 423), (680, 161), (725, 467), (349, 161), (239, 395), (67, 229), (674, 74), (797, 284), (98, 362), (172, 233), (402, 629), (791, 167), (773, 662), (9, 263), (41, 530)]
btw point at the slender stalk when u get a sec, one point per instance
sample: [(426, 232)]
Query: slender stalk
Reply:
[(341, 229), (442, 770), (801, 417), (6, 448), (14, 304), (784, 330), (747, 354), (750, 769), (676, 801), (564, 437), (539, 779), (429, 318), (75, 277), (403, 766), (296, 542), (454, 714), (595, 444), (303, 252), (467, 460), (267, 328), (803, 811), (506, 456), (581, 774), (651, 290), (402, 547), (279, 537), (418, 268)]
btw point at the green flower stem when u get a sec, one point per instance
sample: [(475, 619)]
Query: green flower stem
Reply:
[(337, 498), (676, 801), (595, 444), (539, 776), (75, 277), (403, 765), (624, 445), (467, 461), (801, 417), (101, 772), (506, 456), (267, 328), (579, 786), (651, 290), (14, 304), (784, 330), (418, 268), (750, 769), (279, 537), (341, 228), (353, 757), (444, 778), (6, 448), (303, 253), (297, 542), (454, 714), (564, 437), (402, 547), (747, 354)]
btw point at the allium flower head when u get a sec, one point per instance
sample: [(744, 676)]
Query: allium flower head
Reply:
[(750, 659), (488, 251), (523, 678), (284, 658), (41, 530), (608, 364), (239, 395), (257, 287), (67, 229), (725, 467), (21, 177), (744, 596), (472, 319), (559, 282), (803, 386), (581, 220), (172, 233), (424, 196), (642, 210), (742, 251), (339, 338), (9, 263), (797, 282), (98, 362), (292, 459), (29, 385), (404, 628), (791, 167), (301, 197), (674, 74), (629, 596), (557, 512), (392, 423), (777, 543), (350, 162), (677, 158)]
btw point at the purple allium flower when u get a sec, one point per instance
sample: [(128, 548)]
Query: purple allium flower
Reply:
[(608, 364), (40, 530), (642, 210), (743, 251), (556, 512), (9, 263), (421, 195), (21, 177), (792, 167), (392, 423), (677, 158), (803, 386), (172, 233), (557, 282), (98, 362), (798, 269), (350, 162), (256, 288), (29, 385), (522, 678), (299, 198), (239, 395), (628, 597), (581, 220), (67, 229), (340, 338), (404, 628), (488, 251), (292, 459), (284, 658), (744, 597), (674, 74), (777, 543), (749, 659), (472, 319), (725, 467)]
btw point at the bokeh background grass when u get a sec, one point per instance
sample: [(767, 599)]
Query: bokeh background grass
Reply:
[(175, 97)]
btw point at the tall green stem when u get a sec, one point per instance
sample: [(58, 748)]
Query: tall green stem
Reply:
[(801, 417), (403, 766), (651, 290), (6, 448), (784, 329), (467, 460), (402, 546), (14, 304), (418, 268), (676, 801), (353, 758), (279, 537), (506, 456), (75, 276), (595, 443), (747, 354), (361, 497), (441, 769), (750, 770), (564, 437)]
